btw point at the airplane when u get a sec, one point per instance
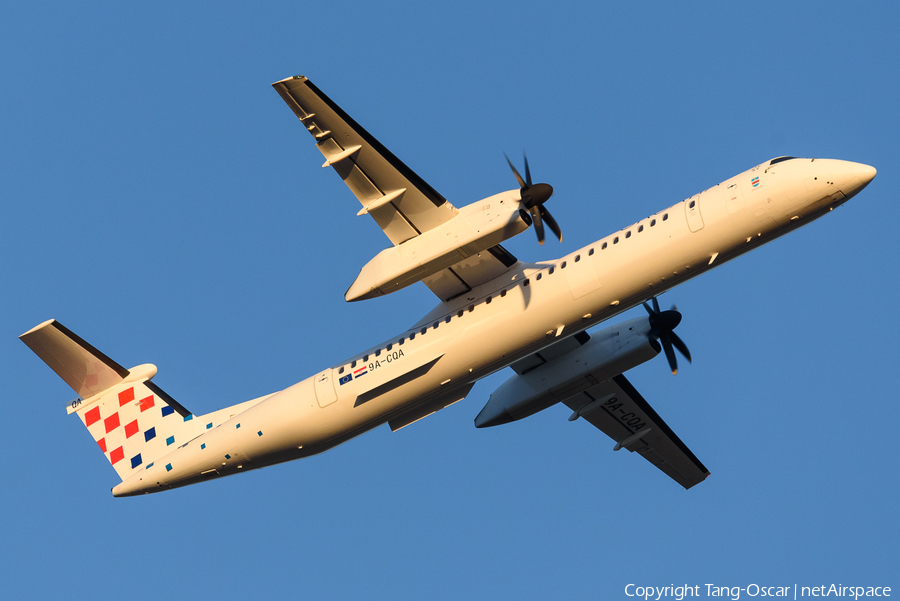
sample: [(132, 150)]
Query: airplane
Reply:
[(494, 311)]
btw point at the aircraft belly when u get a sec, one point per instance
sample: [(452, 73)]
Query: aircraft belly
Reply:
[(273, 430), (391, 383)]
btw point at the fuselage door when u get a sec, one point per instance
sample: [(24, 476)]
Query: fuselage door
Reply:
[(692, 208), (582, 276), (325, 389)]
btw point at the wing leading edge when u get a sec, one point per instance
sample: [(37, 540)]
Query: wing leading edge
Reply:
[(399, 201), (619, 410)]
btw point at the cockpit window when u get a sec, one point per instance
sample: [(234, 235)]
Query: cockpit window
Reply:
[(780, 160)]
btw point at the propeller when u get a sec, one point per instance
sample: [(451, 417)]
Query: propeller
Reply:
[(662, 324), (533, 197)]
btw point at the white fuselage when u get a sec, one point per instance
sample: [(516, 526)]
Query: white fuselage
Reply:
[(436, 362)]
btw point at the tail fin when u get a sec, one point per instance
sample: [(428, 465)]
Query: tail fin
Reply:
[(132, 420)]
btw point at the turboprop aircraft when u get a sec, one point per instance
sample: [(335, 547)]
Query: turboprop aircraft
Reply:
[(494, 311)]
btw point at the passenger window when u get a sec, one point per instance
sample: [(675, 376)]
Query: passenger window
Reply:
[(471, 308), (693, 203), (616, 240), (436, 324), (640, 229), (488, 301), (412, 336), (525, 283), (628, 234), (448, 319), (563, 266), (423, 330), (341, 370), (503, 293), (665, 216), (652, 222), (365, 358), (550, 271), (389, 347), (378, 353), (577, 258), (538, 276), (352, 365), (604, 246), (400, 342)]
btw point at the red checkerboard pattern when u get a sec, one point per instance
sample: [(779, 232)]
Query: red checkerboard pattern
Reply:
[(126, 396), (111, 422), (111, 435), (146, 403), (92, 416), (133, 427)]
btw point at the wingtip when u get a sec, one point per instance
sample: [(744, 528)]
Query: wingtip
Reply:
[(37, 327), (287, 79)]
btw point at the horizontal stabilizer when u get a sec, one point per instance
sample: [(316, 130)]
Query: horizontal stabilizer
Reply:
[(80, 365)]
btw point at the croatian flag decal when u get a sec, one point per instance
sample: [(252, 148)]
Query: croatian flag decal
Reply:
[(755, 181), (361, 371)]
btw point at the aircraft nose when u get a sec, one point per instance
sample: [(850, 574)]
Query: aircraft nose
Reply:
[(853, 177), (865, 173)]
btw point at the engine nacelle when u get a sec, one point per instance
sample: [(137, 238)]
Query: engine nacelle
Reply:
[(608, 353), (476, 228)]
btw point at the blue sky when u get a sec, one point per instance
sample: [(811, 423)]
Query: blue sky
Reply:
[(160, 200)]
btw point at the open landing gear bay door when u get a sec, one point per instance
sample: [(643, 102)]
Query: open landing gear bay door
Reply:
[(400, 201), (616, 408)]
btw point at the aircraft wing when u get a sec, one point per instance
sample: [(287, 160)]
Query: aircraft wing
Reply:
[(399, 201), (616, 408)]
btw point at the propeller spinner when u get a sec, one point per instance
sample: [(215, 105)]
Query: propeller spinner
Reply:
[(662, 324), (533, 197)]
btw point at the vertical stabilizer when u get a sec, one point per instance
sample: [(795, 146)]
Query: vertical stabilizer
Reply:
[(131, 419)]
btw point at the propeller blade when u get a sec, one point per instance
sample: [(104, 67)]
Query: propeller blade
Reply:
[(533, 197), (681, 346), (538, 224), (662, 326), (551, 222), (516, 173), (670, 354)]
